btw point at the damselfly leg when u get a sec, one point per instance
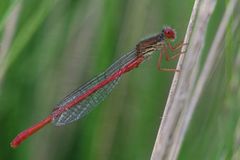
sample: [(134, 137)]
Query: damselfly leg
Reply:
[(164, 51)]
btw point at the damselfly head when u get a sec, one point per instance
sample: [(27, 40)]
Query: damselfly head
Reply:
[(169, 33)]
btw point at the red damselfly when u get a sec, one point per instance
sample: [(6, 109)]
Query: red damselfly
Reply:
[(81, 101)]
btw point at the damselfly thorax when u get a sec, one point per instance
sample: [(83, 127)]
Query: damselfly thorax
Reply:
[(149, 45)]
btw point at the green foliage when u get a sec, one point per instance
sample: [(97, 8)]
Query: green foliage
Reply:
[(58, 45)]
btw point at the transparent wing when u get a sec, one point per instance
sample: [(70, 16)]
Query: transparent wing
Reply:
[(85, 106)]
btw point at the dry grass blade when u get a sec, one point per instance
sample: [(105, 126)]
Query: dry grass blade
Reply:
[(174, 126), (213, 53), (196, 91), (10, 28), (9, 31), (160, 144)]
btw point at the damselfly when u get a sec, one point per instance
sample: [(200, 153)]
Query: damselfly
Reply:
[(81, 101)]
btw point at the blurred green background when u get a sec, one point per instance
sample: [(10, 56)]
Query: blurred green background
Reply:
[(59, 44)]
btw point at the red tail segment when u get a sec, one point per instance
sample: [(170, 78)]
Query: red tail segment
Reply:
[(28, 132)]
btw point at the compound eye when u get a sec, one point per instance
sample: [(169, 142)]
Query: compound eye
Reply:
[(169, 33)]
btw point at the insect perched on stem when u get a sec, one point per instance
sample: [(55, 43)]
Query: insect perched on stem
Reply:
[(81, 101)]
